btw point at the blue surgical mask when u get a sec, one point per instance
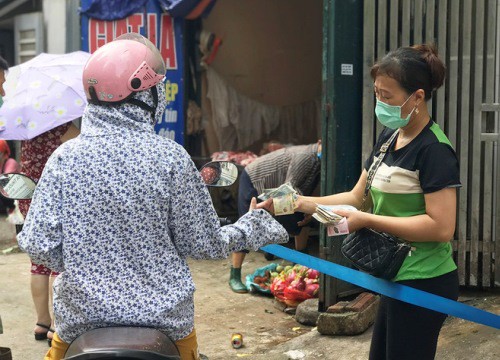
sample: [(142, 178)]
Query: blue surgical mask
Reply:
[(390, 115), (1, 100)]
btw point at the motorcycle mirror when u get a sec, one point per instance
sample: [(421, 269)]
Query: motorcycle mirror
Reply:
[(219, 173), (16, 186)]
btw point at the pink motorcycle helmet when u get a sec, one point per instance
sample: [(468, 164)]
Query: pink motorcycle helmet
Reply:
[(128, 64)]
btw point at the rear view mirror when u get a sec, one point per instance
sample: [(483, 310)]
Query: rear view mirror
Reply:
[(17, 186), (219, 173)]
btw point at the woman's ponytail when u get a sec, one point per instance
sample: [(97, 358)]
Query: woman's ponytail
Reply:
[(430, 56)]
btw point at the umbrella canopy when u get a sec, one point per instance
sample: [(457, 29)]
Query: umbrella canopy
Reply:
[(41, 94)]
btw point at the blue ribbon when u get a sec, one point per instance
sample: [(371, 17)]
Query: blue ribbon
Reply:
[(384, 287)]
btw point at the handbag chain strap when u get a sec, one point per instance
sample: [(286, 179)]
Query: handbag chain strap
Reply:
[(374, 167)]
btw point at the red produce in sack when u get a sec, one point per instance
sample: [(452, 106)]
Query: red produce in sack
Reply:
[(312, 289), (278, 287), (296, 295), (298, 284), (312, 274), (291, 276), (295, 285)]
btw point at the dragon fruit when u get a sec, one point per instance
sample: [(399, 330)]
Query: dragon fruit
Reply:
[(291, 276), (312, 274), (312, 289), (310, 281), (298, 284), (295, 284)]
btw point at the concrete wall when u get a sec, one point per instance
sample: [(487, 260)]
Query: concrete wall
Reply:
[(54, 14), (271, 49)]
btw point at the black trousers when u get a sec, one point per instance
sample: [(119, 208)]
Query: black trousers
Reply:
[(404, 331)]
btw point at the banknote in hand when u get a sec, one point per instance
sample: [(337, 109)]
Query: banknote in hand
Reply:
[(339, 228), (282, 190), (284, 205)]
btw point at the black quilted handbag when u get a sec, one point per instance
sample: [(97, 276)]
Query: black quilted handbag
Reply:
[(378, 254)]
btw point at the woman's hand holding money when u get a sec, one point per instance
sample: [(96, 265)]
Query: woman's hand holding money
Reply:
[(303, 204), (355, 219)]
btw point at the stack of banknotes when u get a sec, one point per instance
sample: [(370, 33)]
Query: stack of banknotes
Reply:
[(336, 224), (325, 215)]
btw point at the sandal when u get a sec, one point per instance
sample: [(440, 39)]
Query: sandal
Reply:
[(42, 336), (49, 339)]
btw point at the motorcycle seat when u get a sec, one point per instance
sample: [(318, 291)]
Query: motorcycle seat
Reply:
[(126, 343)]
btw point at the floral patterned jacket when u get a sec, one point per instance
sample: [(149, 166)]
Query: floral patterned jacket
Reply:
[(118, 210)]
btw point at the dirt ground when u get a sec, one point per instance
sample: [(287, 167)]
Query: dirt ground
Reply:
[(268, 333)]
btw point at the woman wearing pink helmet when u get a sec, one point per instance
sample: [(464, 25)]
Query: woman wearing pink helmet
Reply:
[(121, 68), (119, 209)]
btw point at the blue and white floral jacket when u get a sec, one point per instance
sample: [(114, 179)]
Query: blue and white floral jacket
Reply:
[(117, 211)]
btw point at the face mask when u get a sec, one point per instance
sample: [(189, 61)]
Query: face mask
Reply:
[(390, 115), (1, 100)]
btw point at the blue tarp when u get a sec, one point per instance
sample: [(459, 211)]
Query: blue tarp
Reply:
[(110, 10)]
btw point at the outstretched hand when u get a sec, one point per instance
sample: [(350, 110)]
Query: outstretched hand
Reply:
[(253, 204), (266, 205)]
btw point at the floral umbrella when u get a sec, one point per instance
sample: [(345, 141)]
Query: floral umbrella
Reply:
[(41, 94)]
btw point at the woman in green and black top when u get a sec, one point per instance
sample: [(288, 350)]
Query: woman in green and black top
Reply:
[(413, 196)]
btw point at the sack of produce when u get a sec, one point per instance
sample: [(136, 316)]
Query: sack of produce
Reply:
[(261, 279), (294, 284)]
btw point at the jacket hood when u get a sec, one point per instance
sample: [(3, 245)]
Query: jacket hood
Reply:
[(101, 120)]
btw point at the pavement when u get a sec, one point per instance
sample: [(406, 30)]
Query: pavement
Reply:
[(268, 333)]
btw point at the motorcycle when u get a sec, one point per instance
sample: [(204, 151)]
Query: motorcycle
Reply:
[(127, 343)]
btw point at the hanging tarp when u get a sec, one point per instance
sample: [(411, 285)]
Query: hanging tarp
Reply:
[(119, 9), (189, 9), (111, 9), (163, 31)]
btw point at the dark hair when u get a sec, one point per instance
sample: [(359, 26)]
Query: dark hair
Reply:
[(4, 65), (415, 67)]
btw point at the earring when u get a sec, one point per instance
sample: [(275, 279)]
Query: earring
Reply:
[(416, 111)]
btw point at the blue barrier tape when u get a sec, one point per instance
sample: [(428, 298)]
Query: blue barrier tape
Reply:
[(393, 290)]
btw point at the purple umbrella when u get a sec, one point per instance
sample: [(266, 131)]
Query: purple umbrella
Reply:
[(41, 94)]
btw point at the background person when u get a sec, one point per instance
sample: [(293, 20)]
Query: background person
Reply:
[(413, 196), (4, 67), (7, 165), (119, 209), (299, 165)]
